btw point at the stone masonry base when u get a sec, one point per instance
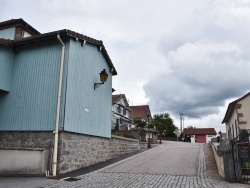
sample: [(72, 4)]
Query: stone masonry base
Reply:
[(74, 151)]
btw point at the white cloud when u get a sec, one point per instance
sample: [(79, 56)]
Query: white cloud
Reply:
[(177, 55)]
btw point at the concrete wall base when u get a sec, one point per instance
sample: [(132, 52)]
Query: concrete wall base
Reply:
[(74, 151), (20, 161)]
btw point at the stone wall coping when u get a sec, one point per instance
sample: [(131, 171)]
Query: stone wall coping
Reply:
[(123, 138), (218, 151), (23, 148)]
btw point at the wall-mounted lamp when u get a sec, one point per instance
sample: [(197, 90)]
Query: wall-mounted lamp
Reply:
[(103, 77)]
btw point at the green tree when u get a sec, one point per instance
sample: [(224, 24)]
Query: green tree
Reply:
[(139, 123), (164, 123)]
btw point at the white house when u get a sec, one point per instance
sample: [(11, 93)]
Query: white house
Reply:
[(120, 113), (237, 116)]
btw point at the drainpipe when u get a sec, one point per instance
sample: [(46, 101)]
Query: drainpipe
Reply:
[(58, 108)]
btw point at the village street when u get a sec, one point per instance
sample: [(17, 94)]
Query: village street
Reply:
[(171, 164)]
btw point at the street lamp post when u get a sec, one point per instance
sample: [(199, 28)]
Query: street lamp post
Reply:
[(149, 144)]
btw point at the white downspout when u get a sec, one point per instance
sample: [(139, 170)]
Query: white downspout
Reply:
[(58, 108)]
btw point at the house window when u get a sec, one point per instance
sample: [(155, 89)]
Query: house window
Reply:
[(233, 131), (236, 129), (124, 111), (119, 109), (229, 132), (121, 121)]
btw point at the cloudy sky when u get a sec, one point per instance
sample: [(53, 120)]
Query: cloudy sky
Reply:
[(178, 56)]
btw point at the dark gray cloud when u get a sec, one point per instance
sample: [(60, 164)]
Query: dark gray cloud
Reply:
[(208, 58), (203, 76)]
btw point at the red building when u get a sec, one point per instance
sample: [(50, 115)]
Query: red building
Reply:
[(199, 135)]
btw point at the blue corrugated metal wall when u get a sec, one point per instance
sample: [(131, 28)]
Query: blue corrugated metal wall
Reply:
[(87, 110), (31, 104), (6, 62), (8, 33)]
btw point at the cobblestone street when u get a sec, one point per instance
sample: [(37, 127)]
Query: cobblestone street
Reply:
[(169, 165)]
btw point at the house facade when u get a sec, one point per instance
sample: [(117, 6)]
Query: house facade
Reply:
[(140, 112), (47, 95), (120, 113), (199, 135), (237, 117)]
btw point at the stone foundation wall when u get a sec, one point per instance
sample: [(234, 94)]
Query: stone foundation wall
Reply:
[(78, 150), (120, 145), (26, 139), (74, 150)]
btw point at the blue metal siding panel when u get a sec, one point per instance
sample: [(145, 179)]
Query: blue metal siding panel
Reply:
[(85, 64), (8, 33), (6, 62), (31, 104)]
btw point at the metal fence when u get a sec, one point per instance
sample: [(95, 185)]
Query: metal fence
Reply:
[(241, 157)]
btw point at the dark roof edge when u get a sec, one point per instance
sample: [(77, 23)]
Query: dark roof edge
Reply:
[(39, 37), (71, 34), (94, 41), (231, 106), (19, 22)]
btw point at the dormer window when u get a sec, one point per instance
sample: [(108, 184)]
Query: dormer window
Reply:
[(21, 33)]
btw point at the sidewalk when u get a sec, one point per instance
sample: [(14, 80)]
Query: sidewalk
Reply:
[(35, 182)]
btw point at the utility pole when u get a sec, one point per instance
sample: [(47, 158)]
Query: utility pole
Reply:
[(182, 121)]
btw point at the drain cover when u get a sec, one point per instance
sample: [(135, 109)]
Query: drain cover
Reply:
[(71, 179)]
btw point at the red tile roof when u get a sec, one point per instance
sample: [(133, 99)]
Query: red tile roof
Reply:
[(140, 112), (115, 98), (198, 131)]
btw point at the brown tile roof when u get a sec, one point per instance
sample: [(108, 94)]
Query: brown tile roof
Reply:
[(140, 111), (197, 131), (115, 98), (19, 23), (231, 108)]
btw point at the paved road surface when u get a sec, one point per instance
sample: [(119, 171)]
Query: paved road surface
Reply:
[(169, 165), (172, 164)]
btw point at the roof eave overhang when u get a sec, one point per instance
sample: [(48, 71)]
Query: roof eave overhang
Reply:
[(19, 23), (66, 32)]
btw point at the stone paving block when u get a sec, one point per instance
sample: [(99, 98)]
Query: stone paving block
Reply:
[(137, 172)]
